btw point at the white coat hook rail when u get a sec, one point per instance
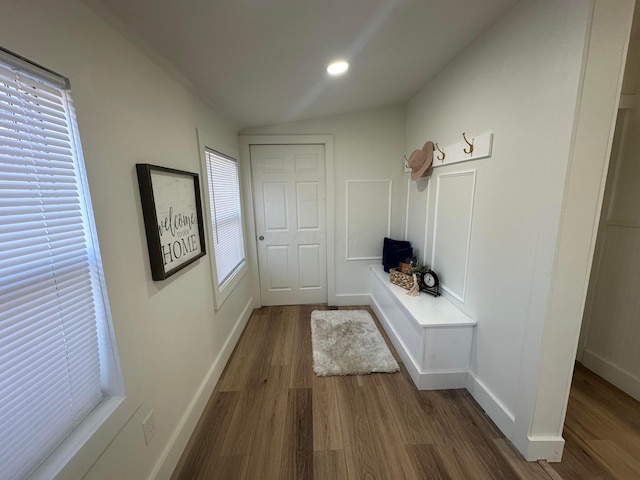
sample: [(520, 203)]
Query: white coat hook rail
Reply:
[(471, 148)]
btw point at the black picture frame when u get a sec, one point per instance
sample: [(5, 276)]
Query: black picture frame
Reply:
[(172, 211)]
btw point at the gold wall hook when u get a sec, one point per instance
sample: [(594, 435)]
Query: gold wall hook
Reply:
[(440, 157), (470, 151)]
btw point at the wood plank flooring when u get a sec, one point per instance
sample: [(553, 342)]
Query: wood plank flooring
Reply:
[(602, 431), (270, 417)]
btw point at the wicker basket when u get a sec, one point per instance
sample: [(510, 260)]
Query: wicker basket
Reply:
[(401, 279)]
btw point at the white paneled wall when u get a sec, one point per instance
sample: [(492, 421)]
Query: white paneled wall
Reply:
[(417, 217), (615, 327), (455, 196), (611, 325), (368, 217), (505, 280), (443, 243)]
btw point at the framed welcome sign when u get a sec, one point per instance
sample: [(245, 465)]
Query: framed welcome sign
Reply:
[(172, 218)]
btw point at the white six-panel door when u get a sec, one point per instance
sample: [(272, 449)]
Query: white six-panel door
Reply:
[(289, 201)]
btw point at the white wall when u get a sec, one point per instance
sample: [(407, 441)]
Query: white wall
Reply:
[(367, 146), (582, 200), (520, 80), (611, 325), (530, 244), (172, 344)]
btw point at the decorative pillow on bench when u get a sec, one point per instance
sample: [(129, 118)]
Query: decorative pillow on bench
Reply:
[(394, 252)]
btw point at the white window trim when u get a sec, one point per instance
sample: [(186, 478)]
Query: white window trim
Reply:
[(221, 292), (87, 442)]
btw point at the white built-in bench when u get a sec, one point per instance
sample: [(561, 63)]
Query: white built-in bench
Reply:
[(431, 335)]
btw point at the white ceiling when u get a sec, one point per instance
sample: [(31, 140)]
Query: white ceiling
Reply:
[(262, 62)]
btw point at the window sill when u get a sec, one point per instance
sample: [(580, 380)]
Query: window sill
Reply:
[(222, 292), (80, 450)]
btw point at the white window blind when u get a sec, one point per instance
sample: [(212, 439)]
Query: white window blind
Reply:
[(226, 215), (51, 302)]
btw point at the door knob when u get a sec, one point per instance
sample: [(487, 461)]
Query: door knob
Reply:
[(260, 238)]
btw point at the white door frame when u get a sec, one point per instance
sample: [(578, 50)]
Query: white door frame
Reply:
[(245, 142)]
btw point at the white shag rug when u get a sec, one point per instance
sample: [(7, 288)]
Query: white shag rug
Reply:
[(347, 342)]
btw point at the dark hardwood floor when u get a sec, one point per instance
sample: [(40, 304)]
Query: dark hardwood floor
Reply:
[(270, 417)]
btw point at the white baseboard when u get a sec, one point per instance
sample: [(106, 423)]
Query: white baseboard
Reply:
[(625, 381), (498, 412), (348, 299), (181, 435), (442, 380), (547, 448)]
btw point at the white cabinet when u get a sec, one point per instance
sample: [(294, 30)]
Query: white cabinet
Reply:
[(431, 335)]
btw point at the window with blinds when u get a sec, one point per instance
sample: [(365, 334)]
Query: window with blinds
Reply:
[(226, 216), (53, 310)]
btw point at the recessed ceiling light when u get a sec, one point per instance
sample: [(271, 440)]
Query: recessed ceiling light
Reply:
[(338, 68)]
